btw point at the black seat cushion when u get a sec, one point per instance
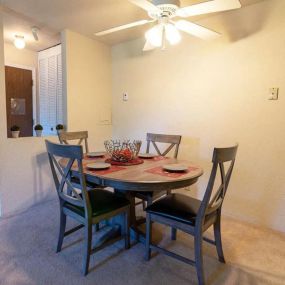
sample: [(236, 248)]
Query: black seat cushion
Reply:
[(176, 206), (102, 202)]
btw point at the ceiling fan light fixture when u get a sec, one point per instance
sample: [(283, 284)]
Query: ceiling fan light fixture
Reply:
[(172, 34), (168, 30), (154, 35), (19, 42)]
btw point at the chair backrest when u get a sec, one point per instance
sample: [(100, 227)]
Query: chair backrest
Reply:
[(65, 137), (62, 158), (172, 140), (213, 203)]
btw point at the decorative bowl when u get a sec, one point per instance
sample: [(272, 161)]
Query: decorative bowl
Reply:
[(123, 151)]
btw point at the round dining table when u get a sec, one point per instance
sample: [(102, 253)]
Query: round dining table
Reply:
[(146, 176)]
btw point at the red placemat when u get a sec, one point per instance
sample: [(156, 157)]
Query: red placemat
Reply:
[(131, 162), (159, 171)]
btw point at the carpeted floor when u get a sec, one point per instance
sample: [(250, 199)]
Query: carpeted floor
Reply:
[(27, 256)]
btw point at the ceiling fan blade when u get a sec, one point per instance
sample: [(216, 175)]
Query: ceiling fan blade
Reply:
[(145, 4), (148, 46), (208, 7), (196, 30), (123, 27)]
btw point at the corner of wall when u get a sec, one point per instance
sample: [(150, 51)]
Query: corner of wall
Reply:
[(63, 36)]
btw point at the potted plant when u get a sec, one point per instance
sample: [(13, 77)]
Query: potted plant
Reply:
[(15, 130), (38, 129), (59, 128)]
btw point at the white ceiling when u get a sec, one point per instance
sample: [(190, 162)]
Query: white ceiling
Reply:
[(83, 16)]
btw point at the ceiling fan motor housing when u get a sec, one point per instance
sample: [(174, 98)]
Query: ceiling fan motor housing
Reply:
[(165, 2), (168, 9)]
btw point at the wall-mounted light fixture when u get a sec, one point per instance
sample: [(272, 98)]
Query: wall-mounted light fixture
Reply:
[(19, 42)]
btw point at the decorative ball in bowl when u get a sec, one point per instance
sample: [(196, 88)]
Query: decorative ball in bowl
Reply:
[(123, 151)]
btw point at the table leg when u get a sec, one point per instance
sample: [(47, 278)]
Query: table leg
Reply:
[(136, 233)]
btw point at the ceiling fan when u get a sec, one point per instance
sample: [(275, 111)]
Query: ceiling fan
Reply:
[(167, 30)]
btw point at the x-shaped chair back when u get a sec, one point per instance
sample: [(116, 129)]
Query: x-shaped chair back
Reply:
[(213, 203), (62, 158), (66, 137), (172, 140)]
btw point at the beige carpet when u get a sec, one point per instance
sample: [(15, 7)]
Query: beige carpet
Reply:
[(27, 242)]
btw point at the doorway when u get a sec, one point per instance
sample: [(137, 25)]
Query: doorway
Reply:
[(19, 100)]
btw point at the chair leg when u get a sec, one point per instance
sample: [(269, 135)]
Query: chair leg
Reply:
[(61, 230), (198, 241), (218, 239), (97, 227), (173, 233), (148, 237), (127, 230), (87, 247), (168, 192)]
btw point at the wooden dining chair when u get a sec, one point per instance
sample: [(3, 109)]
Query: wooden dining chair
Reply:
[(88, 207), (173, 142), (80, 137), (192, 215)]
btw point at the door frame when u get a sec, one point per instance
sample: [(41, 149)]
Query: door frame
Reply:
[(34, 89)]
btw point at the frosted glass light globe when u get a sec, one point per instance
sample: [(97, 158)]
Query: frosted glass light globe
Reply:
[(172, 34), (19, 42), (154, 35)]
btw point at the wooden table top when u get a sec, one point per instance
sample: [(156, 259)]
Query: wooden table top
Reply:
[(139, 177)]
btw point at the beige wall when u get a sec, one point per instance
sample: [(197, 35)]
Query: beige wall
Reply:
[(88, 87), (24, 57), (25, 177), (216, 93)]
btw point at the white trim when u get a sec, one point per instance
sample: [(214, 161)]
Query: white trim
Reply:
[(33, 69)]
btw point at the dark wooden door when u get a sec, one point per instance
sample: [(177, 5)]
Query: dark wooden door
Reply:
[(19, 100)]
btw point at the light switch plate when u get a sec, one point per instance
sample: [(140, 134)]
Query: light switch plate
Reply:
[(273, 94), (105, 116)]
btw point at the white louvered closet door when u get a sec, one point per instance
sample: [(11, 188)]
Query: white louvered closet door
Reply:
[(50, 90), (59, 93)]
